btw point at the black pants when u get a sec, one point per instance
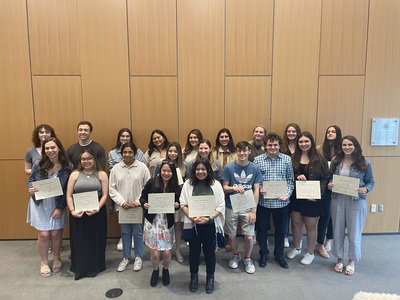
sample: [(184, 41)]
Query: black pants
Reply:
[(279, 216), (205, 237), (325, 227)]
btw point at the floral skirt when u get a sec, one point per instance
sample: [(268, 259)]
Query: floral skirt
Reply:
[(157, 235)]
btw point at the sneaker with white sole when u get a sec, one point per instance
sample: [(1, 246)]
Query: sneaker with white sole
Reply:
[(286, 243), (122, 265), (119, 245), (293, 253), (249, 266), (137, 265), (234, 262), (307, 259)]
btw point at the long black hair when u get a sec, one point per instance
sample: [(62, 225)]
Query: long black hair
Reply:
[(231, 144), (210, 174), (153, 147), (173, 185), (327, 146)]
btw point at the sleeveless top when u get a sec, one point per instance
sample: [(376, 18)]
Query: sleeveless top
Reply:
[(88, 183)]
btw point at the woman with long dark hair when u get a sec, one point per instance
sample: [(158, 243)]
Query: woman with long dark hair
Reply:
[(225, 150), (157, 150), (349, 212), (158, 228), (308, 164), (48, 215), (331, 146), (192, 145)]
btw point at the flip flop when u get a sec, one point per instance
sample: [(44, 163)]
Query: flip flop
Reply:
[(339, 267), (57, 266), (45, 270), (349, 270)]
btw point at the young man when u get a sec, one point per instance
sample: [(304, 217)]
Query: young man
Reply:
[(238, 177), (85, 129), (274, 166)]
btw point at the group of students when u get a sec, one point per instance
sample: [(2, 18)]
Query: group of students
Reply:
[(198, 170)]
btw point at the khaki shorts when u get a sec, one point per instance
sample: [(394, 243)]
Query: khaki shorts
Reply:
[(239, 220)]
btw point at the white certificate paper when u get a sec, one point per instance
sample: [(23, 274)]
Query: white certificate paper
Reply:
[(47, 188), (346, 185), (241, 202), (180, 179), (130, 216), (86, 201), (161, 203), (201, 206), (309, 189), (275, 189)]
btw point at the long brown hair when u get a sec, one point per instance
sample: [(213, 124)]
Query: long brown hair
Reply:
[(45, 162), (357, 156)]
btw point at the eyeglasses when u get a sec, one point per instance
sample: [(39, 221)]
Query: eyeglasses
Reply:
[(87, 159)]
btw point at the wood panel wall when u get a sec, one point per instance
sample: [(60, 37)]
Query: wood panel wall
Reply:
[(182, 64)]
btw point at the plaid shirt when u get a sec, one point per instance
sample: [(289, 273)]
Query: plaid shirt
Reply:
[(276, 169)]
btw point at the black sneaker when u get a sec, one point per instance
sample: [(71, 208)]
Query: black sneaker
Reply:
[(165, 276)]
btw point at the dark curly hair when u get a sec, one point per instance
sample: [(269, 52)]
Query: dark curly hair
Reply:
[(35, 135)]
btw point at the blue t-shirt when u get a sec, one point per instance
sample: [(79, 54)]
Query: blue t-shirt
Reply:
[(245, 176)]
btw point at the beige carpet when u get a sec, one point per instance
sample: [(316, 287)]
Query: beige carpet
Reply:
[(375, 296)]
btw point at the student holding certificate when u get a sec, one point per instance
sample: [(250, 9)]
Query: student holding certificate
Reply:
[(88, 229), (158, 228), (48, 215), (308, 164), (202, 228), (127, 180), (174, 154), (349, 212)]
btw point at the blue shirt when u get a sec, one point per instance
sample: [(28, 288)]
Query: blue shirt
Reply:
[(276, 169)]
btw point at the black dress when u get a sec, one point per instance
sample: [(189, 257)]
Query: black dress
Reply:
[(88, 234)]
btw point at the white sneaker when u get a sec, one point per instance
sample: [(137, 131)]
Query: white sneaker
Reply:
[(307, 259), (293, 253), (286, 243), (119, 245), (133, 243), (249, 266), (122, 265), (137, 265), (234, 262)]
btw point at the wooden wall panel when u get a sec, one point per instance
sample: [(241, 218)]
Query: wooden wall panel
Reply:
[(15, 82), (201, 66), (340, 102), (386, 172), (382, 83), (154, 106), (343, 37), (249, 26), (247, 104), (54, 42), (105, 68), (295, 61), (58, 102), (152, 37)]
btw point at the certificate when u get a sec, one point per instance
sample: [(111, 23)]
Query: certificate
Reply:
[(346, 185), (310, 189), (180, 179), (47, 188), (161, 203), (201, 206), (130, 216), (275, 189), (241, 202), (86, 201)]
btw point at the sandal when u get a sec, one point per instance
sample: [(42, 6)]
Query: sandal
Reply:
[(339, 267), (45, 270), (349, 270), (57, 266), (179, 258)]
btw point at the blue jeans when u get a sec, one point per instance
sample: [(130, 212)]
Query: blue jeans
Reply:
[(129, 230)]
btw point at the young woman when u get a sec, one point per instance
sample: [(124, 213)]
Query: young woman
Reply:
[(225, 150), (157, 150), (48, 215), (88, 229), (328, 149), (205, 152), (202, 229), (127, 180), (308, 164), (115, 156), (257, 142), (158, 232), (192, 145), (349, 212), (290, 135), (174, 154)]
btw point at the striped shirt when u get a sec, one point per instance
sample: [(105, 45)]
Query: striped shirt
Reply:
[(276, 169)]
